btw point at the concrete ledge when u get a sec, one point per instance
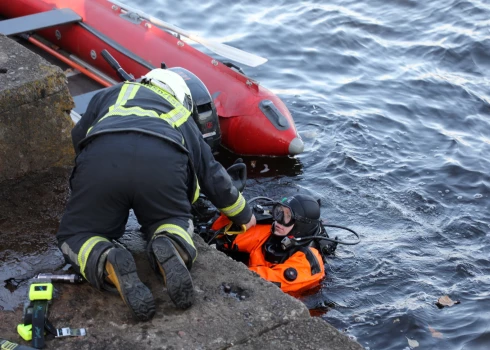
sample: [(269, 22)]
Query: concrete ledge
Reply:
[(35, 126), (254, 315), (301, 334), (30, 205)]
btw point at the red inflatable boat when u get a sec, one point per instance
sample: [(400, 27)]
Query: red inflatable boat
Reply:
[(253, 120)]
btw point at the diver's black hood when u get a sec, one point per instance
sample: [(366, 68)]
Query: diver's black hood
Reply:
[(306, 211)]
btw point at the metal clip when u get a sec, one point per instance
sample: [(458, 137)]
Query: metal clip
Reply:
[(70, 332)]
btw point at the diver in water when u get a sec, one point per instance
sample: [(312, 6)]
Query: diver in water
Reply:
[(284, 252)]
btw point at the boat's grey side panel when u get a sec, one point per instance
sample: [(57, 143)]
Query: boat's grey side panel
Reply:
[(82, 101), (75, 116), (117, 46), (38, 21)]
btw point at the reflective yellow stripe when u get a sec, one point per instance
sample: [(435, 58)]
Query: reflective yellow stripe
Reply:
[(134, 90), (128, 91), (176, 230), (122, 92), (121, 111), (12, 346), (179, 114), (196, 194), (236, 208), (84, 252), (176, 117)]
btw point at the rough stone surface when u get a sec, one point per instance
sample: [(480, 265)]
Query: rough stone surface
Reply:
[(35, 128), (315, 334), (32, 204), (255, 314), (31, 208)]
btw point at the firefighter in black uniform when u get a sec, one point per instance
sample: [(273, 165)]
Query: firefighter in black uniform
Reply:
[(138, 148)]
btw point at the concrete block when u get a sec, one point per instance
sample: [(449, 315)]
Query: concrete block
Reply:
[(35, 125), (234, 309)]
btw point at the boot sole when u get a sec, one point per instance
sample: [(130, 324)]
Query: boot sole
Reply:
[(135, 294), (176, 276)]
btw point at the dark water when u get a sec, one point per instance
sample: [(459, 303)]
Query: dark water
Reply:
[(392, 100)]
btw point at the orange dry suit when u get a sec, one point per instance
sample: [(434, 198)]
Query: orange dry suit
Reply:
[(301, 268)]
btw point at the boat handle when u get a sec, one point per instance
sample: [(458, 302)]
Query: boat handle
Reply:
[(116, 66)]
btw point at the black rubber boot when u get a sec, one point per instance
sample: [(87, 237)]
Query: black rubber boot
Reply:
[(121, 271), (176, 276)]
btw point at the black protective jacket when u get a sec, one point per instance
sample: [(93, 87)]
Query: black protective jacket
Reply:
[(212, 178)]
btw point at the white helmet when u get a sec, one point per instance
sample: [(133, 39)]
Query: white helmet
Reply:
[(171, 82)]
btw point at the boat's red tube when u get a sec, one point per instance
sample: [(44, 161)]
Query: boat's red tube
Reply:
[(246, 128)]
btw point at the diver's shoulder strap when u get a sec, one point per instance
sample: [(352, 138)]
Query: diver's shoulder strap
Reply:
[(312, 259)]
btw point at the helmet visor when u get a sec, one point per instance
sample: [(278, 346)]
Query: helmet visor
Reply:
[(282, 215)]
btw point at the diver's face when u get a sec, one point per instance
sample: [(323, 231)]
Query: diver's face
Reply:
[(282, 230), (286, 217)]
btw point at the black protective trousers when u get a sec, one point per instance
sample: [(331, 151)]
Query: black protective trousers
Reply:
[(115, 173)]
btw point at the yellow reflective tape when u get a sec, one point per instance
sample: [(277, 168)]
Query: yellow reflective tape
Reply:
[(121, 111), (179, 110), (175, 120), (127, 111), (128, 91), (122, 93), (120, 97), (134, 90), (176, 117), (176, 230), (84, 252), (196, 194), (11, 346), (236, 208)]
